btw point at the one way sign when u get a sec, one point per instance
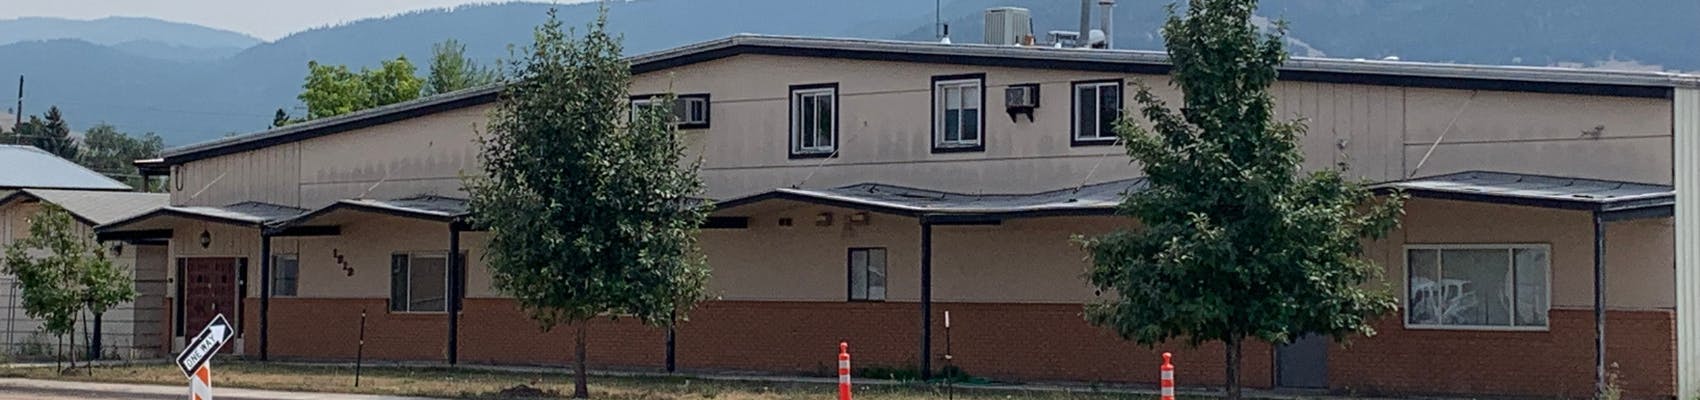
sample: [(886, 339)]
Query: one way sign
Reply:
[(205, 345)]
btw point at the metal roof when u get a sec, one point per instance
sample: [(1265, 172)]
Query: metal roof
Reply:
[(1100, 198), (250, 213), (95, 207), (29, 167), (1538, 190), (1063, 57), (431, 207)]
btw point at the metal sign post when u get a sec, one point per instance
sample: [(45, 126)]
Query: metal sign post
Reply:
[(197, 356)]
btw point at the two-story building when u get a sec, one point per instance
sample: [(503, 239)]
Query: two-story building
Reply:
[(867, 188)]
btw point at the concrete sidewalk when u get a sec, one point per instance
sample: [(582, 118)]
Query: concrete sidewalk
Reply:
[(131, 391)]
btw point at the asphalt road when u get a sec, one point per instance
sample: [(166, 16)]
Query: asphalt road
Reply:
[(16, 393)]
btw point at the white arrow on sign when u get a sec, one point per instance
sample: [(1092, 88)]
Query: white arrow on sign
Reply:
[(205, 345)]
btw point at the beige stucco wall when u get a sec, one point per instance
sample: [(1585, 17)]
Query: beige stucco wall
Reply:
[(1382, 132)]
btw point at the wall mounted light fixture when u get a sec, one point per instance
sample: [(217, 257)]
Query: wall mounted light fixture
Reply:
[(206, 239)]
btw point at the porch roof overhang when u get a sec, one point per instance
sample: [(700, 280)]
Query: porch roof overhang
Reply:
[(426, 207), (949, 207), (1613, 200), (158, 224)]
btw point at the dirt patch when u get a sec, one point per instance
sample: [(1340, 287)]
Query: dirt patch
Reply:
[(527, 392)]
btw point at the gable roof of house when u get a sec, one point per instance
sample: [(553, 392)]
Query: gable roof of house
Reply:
[(1371, 72), (93, 207), (29, 167)]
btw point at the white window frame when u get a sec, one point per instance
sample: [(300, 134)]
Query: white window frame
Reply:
[(407, 301), (1511, 263), (277, 271), (1074, 117), (796, 122), (941, 90)]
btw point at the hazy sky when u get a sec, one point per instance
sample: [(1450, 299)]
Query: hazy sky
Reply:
[(266, 19)]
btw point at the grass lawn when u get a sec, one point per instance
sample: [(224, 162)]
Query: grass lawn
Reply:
[(479, 384)]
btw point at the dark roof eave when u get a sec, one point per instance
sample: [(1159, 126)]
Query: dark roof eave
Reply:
[(304, 219)]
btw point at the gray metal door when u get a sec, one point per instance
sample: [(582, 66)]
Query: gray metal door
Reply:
[(1303, 364)]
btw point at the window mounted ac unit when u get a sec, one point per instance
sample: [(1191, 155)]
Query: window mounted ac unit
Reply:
[(1021, 99)]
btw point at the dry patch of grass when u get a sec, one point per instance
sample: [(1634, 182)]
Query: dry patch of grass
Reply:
[(480, 384)]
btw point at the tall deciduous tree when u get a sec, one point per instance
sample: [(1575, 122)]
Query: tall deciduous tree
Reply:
[(590, 211), (452, 70), (1237, 241), (332, 90), (113, 153), (62, 272)]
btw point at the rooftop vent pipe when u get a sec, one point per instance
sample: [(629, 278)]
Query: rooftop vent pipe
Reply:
[(1085, 23), (1108, 11)]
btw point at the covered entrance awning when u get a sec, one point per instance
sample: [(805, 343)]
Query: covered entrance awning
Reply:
[(158, 224), (938, 207), (943, 207), (329, 219), (1607, 200)]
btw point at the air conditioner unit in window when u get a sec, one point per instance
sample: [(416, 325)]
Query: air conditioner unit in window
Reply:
[(1021, 99)]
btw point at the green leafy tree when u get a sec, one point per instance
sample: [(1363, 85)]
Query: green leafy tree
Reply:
[(113, 153), (393, 82), (332, 90), (590, 213), (61, 272), (1237, 242), (452, 70)]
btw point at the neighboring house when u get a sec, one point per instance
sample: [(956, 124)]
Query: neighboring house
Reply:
[(23, 166), (867, 187), (29, 177)]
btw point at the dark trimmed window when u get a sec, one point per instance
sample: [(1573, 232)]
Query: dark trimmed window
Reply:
[(814, 120), (867, 274), (1097, 105), (959, 115), (419, 282), (286, 274), (690, 111)]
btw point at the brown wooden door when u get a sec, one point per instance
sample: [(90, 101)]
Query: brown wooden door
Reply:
[(209, 289)]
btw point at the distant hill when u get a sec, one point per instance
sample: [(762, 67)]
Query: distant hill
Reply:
[(191, 83), (114, 30)]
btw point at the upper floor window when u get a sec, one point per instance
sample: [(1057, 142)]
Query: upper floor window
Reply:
[(1477, 286), (814, 120), (286, 274), (867, 274), (1097, 106), (958, 116), (690, 111)]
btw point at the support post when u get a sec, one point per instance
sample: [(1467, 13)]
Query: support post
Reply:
[(265, 294), (1599, 304), (454, 292), (926, 299), (672, 342)]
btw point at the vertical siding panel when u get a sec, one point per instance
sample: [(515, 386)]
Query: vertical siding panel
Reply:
[(1686, 110)]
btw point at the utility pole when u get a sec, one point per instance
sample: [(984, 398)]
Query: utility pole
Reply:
[(19, 122)]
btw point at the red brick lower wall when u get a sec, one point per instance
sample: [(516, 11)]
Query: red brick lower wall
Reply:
[(1556, 363), (1016, 342)]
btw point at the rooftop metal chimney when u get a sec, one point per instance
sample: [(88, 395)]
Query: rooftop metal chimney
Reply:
[(1109, 7), (1085, 24)]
